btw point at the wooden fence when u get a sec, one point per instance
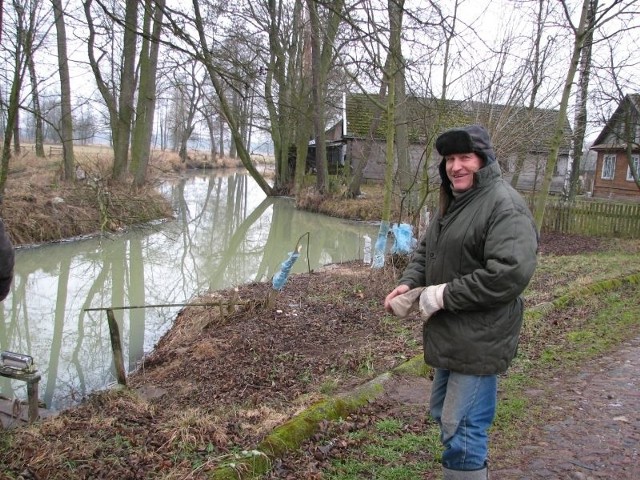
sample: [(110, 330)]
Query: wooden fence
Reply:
[(593, 218)]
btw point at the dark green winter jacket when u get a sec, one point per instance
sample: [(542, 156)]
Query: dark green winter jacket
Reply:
[(484, 248)]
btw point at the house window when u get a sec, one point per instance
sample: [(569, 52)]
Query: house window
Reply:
[(608, 167), (635, 159)]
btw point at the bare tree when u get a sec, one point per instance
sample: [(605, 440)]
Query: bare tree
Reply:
[(124, 61), (318, 98), (25, 24), (209, 111), (146, 105), (200, 48), (370, 64), (188, 83), (239, 57), (66, 124), (37, 112), (405, 175), (611, 91), (84, 125), (533, 75), (287, 84), (580, 116), (581, 33), (396, 77), (117, 90)]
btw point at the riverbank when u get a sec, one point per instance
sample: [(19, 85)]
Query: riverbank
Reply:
[(38, 207)]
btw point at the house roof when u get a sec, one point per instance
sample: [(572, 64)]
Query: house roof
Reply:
[(512, 128), (610, 136)]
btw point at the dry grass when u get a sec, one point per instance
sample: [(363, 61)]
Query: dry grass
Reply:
[(40, 207), (367, 207)]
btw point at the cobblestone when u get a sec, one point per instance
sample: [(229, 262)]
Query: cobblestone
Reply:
[(598, 436)]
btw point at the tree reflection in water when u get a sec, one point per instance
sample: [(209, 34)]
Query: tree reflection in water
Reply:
[(226, 232)]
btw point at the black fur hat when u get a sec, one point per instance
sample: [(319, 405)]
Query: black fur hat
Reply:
[(472, 138)]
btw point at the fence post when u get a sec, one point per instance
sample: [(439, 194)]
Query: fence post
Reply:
[(116, 347), (32, 397)]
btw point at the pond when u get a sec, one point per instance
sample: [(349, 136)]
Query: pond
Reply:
[(226, 232)]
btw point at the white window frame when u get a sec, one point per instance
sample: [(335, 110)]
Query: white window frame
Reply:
[(608, 167), (636, 160)]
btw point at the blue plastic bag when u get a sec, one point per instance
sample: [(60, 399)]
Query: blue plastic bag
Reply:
[(404, 242), (280, 278), (380, 247)]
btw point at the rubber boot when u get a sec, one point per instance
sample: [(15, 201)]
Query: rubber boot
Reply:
[(482, 474)]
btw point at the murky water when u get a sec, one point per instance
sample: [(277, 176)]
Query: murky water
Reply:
[(226, 233)]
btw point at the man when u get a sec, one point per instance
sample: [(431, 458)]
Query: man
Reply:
[(6, 262), (466, 277)]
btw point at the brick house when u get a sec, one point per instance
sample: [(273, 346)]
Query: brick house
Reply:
[(619, 138), (517, 134)]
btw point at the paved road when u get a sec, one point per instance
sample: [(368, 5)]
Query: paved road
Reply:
[(598, 436)]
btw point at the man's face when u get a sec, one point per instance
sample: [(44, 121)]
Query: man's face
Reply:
[(460, 168)]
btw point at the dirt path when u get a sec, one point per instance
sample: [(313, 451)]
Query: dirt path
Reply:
[(597, 433)]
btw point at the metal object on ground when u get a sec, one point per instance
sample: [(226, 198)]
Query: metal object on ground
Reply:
[(17, 361), (21, 367)]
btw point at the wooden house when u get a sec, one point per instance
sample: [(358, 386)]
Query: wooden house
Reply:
[(618, 142), (520, 136)]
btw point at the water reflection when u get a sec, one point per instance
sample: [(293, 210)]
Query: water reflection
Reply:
[(226, 233)]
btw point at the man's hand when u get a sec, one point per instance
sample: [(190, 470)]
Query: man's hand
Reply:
[(432, 300), (399, 290), (402, 305)]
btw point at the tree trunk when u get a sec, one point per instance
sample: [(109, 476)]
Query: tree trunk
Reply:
[(250, 121), (145, 111), (37, 111), (120, 109), (322, 172), (381, 242), (12, 118), (184, 140), (287, 73), (389, 160), (630, 139), (13, 105), (552, 158), (16, 134), (66, 120), (221, 138), (404, 172), (212, 137), (123, 122), (303, 131), (580, 119)]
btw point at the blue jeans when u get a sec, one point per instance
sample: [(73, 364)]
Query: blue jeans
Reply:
[(464, 407)]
